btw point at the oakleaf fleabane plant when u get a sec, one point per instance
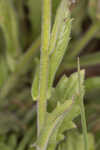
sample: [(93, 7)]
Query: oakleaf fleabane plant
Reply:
[(51, 124), (60, 36)]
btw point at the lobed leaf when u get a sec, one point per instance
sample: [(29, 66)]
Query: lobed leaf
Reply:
[(66, 88), (51, 123)]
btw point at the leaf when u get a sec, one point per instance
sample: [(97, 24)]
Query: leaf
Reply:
[(3, 71), (80, 143), (62, 42), (67, 88), (92, 9), (94, 13), (56, 27), (74, 141), (78, 14), (52, 122), (35, 15), (72, 85), (64, 122), (9, 25), (35, 85), (58, 135), (66, 126), (12, 141), (4, 146), (26, 139)]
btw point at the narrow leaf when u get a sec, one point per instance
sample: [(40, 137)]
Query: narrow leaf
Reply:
[(9, 25)]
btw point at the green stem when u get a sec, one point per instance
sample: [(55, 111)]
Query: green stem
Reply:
[(83, 119), (44, 59), (80, 44), (21, 68)]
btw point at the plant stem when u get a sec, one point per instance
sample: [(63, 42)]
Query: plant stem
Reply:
[(44, 59), (83, 119), (21, 68), (80, 44)]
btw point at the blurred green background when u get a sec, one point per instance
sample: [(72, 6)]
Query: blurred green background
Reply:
[(20, 30)]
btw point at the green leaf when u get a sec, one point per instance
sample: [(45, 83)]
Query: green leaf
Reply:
[(9, 25), (80, 142), (52, 122), (58, 135), (72, 85), (35, 15), (35, 85), (4, 146), (3, 71), (26, 139), (74, 141), (22, 67), (93, 10), (12, 141), (56, 27), (67, 88), (66, 126), (61, 45)]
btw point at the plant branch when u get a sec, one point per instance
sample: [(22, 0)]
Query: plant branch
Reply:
[(44, 59)]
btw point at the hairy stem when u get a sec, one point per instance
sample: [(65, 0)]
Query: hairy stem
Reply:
[(44, 59)]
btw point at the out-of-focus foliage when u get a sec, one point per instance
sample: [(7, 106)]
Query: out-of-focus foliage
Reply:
[(74, 141), (20, 30)]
